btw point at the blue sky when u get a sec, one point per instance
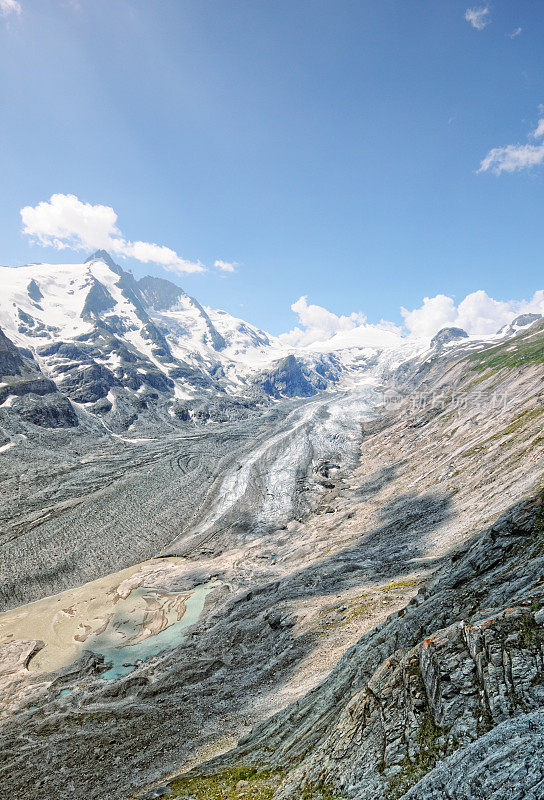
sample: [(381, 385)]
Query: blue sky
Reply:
[(330, 149)]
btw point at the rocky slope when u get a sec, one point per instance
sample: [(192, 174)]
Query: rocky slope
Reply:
[(296, 560), (445, 698), (27, 393)]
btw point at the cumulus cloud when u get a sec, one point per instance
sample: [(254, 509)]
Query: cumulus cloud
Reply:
[(478, 17), (317, 324), (514, 157), (226, 266), (435, 313), (8, 7), (64, 221), (478, 314)]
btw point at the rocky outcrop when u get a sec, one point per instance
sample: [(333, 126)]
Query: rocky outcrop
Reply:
[(98, 300), (52, 411), (34, 291), (522, 321), (30, 385), (103, 255), (288, 378), (447, 335), (504, 763), (159, 293), (435, 693), (11, 362), (88, 383), (29, 395)]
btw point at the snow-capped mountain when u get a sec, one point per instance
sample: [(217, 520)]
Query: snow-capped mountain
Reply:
[(114, 345), (90, 342), (116, 348), (45, 304)]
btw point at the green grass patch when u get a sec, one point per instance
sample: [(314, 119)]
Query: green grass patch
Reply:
[(530, 633), (520, 421), (319, 791), (407, 583), (235, 783), (515, 353)]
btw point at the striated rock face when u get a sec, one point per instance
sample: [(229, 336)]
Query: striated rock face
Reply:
[(446, 693), (505, 763)]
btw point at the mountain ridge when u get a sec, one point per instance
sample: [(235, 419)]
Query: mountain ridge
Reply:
[(135, 354)]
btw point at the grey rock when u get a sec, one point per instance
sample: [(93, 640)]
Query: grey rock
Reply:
[(447, 335), (288, 378), (11, 362), (34, 291), (412, 710), (98, 300), (522, 321), (89, 384)]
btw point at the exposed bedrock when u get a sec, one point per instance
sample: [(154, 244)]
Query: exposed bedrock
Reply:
[(289, 378), (431, 702)]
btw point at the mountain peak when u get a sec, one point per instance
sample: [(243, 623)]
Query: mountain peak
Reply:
[(102, 255), (447, 335)]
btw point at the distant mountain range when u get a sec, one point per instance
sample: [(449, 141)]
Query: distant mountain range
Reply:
[(88, 343)]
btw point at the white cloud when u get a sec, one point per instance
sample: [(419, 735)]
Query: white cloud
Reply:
[(226, 266), (8, 7), (539, 130), (478, 314), (515, 33), (514, 157), (317, 324), (478, 17), (435, 313), (64, 221)]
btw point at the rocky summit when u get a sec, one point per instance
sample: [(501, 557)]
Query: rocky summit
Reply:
[(235, 568)]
